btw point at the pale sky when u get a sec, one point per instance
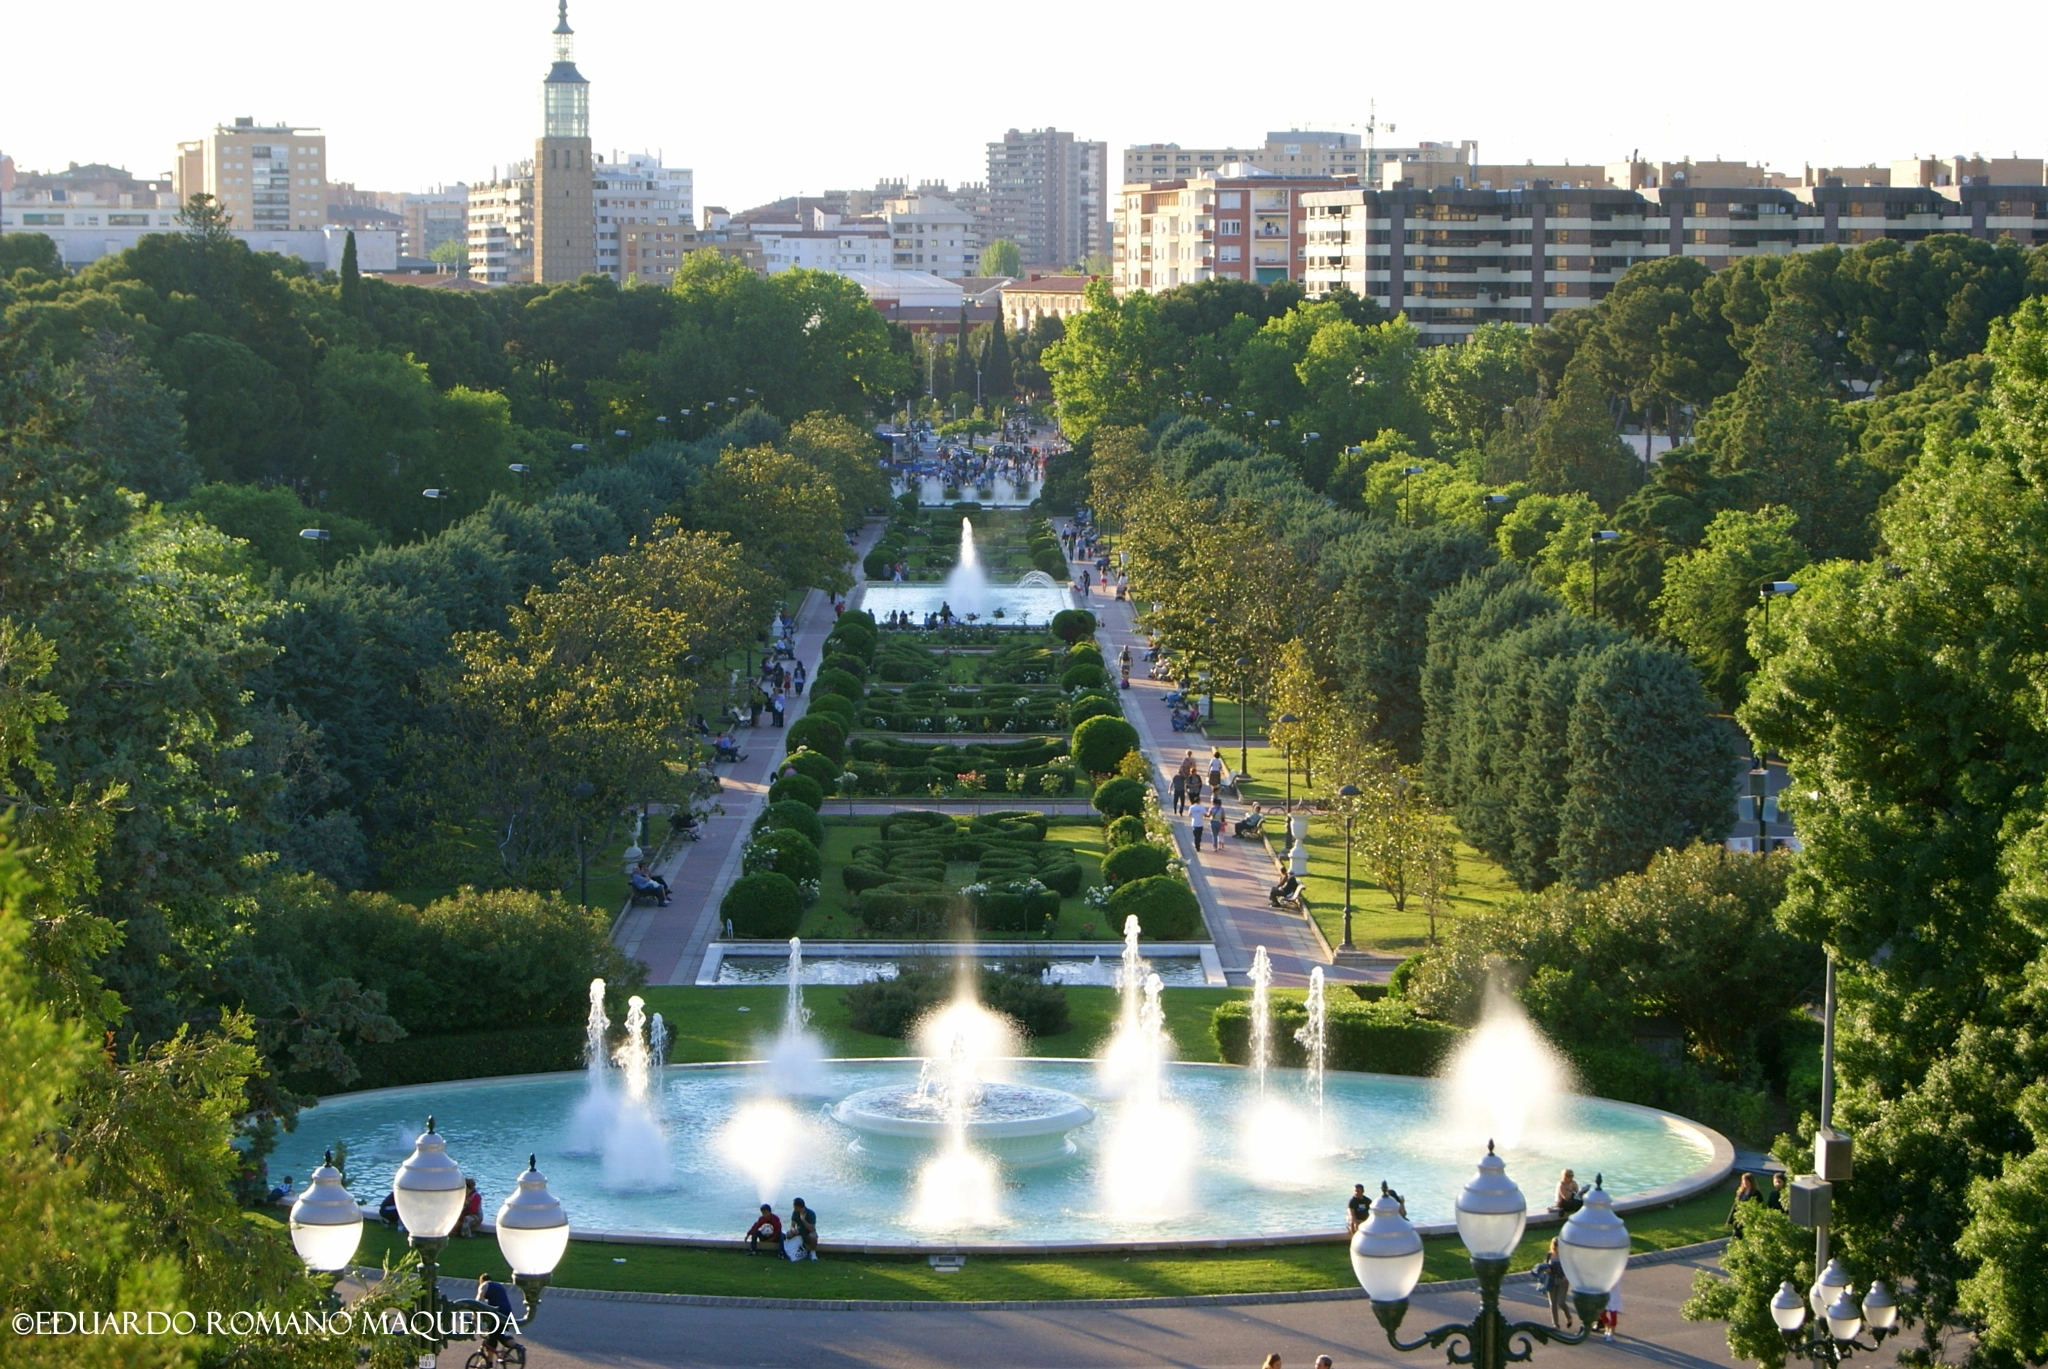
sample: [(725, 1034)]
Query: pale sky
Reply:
[(768, 99)]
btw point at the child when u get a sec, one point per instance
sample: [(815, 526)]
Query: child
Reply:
[(1610, 1320)]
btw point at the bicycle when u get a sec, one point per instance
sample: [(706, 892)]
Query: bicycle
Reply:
[(512, 1356)]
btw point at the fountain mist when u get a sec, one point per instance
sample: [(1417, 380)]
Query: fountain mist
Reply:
[(593, 1117), (1505, 1082), (1148, 1153), (967, 582), (796, 1058), (635, 1150), (1262, 1016), (961, 1043), (1315, 1044)]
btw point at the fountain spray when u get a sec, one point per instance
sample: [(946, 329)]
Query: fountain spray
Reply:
[(593, 1119), (795, 1016), (597, 1030), (1262, 1016), (1314, 1037), (657, 1048), (635, 1150), (796, 1058)]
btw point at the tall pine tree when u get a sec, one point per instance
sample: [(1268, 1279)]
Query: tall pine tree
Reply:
[(351, 278), (998, 378)]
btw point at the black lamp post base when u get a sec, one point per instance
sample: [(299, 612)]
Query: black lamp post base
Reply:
[(1489, 1340)]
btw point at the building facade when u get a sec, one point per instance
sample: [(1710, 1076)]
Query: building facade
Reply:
[(501, 227), (823, 241), (432, 218), (1292, 152), (1049, 194), (270, 178), (933, 234), (1239, 223), (1035, 297), (1452, 259), (644, 215)]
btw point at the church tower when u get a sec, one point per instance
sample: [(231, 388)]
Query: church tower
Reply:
[(564, 228)]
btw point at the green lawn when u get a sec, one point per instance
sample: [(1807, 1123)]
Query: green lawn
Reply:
[(709, 1024), (1375, 925), (1288, 1269), (832, 917)]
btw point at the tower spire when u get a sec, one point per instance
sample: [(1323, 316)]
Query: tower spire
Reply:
[(562, 23)]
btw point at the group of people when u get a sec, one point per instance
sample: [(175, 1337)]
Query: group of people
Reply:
[(645, 881), (1188, 788), (796, 1239)]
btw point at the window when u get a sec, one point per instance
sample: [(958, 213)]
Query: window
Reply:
[(42, 218), (1230, 254), (1230, 228), (1229, 199)]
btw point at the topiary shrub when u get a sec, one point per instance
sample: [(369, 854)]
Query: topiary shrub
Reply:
[(802, 788), (841, 682), (836, 706), (852, 665), (857, 617), (1084, 653), (763, 904), (1100, 743), (1063, 877), (1123, 832), (853, 639), (1070, 625), (1379, 1038), (1139, 860), (1084, 677), (1090, 706), (817, 732), (787, 851), (1166, 909), (819, 767), (1016, 907), (1120, 798), (793, 816)]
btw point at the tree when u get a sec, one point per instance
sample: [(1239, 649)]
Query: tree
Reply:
[(779, 509), (1710, 595), (999, 383), (1467, 388), (1406, 840), (30, 252), (1576, 449), (453, 252), (1111, 365), (351, 277), (202, 217), (130, 425), (1002, 258)]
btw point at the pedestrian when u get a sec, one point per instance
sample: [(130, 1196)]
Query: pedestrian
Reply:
[(1180, 793), (1196, 819), (1357, 1208), (1746, 1191), (1272, 1362), (779, 704), (1610, 1320), (1551, 1280), (799, 678), (1324, 1362), (1775, 1199), (1215, 822), (1216, 771)]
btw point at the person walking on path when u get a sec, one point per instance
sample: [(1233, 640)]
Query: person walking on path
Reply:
[(780, 705), (1196, 819), (1216, 822), (1550, 1278), (1180, 793), (799, 678)]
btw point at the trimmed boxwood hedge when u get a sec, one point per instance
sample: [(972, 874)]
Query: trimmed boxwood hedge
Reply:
[(1166, 909), (819, 733), (1139, 860), (1120, 798), (763, 904), (1091, 706), (1122, 832), (801, 788), (1083, 677), (434, 1059), (1084, 653), (838, 682), (852, 665), (793, 816), (796, 855), (1380, 1038), (1100, 743), (818, 766), (1072, 624), (835, 706)]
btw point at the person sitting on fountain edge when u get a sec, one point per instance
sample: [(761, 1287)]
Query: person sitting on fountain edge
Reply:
[(1357, 1208), (766, 1230), (803, 1228)]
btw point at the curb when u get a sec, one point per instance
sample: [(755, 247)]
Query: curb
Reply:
[(1647, 1258)]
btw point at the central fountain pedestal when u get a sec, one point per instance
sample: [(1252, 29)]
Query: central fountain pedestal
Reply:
[(1018, 1124)]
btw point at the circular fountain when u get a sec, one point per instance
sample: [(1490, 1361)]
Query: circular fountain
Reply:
[(1022, 1125)]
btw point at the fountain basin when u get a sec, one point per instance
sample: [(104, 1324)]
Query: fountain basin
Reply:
[(1019, 1125), (1022, 605), (1379, 1127)]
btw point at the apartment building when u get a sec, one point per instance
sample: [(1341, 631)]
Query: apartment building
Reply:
[(1027, 301), (268, 177), (1239, 223), (432, 218), (930, 233), (1452, 259), (644, 206), (1293, 152), (1049, 193), (822, 241), (500, 222)]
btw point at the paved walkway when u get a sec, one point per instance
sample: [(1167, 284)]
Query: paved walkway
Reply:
[(584, 1331), (671, 940), (1232, 883)]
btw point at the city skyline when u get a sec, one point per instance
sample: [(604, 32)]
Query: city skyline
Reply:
[(1747, 90)]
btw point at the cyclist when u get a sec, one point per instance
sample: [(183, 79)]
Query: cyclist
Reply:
[(499, 1299)]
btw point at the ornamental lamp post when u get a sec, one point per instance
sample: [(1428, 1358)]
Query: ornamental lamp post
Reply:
[(533, 1233), (429, 1192), (326, 1224), (1288, 720), (1244, 683), (1350, 791), (1837, 1321), (1386, 1257), (1407, 505)]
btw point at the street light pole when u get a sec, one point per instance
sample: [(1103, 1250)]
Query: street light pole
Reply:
[(1602, 536), (1407, 505), (1348, 792), (1244, 665), (1288, 720)]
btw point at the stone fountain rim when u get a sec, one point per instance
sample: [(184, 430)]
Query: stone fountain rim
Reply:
[(1718, 1167)]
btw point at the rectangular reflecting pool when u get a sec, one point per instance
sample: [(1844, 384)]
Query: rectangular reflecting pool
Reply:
[(1173, 971)]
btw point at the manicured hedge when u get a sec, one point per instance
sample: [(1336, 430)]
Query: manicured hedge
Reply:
[(819, 733), (434, 1059), (818, 766), (835, 706), (793, 816), (1166, 908), (1122, 832), (1140, 860), (1084, 653), (796, 855), (852, 665), (763, 904), (1380, 1038), (1072, 624), (1120, 798), (1017, 907), (1083, 676), (1100, 743), (801, 788), (1090, 706), (838, 682)]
